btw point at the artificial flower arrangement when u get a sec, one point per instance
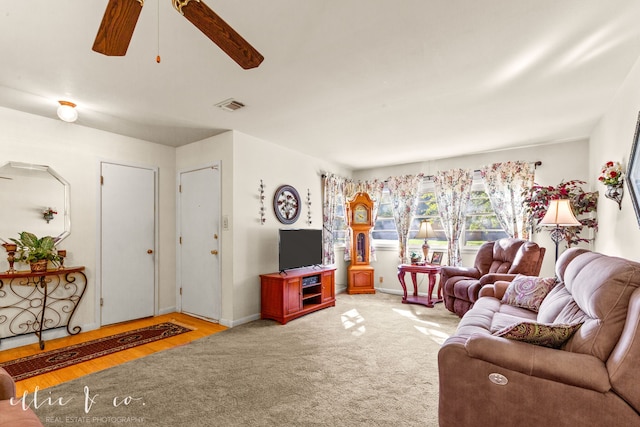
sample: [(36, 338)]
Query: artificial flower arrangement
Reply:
[(611, 174), (584, 204)]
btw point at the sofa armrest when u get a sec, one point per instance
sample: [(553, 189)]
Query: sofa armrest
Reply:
[(7, 386), (490, 278), (451, 271), (496, 290), (542, 362)]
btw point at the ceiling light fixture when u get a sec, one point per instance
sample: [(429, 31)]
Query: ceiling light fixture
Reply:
[(67, 111)]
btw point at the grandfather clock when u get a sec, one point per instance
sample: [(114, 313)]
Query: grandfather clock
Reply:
[(360, 220)]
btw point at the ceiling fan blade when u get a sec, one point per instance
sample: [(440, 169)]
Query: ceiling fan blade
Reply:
[(214, 27), (116, 29)]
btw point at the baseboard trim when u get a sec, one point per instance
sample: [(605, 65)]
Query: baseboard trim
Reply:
[(22, 340)]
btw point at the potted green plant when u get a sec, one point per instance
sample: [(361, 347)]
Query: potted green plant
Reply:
[(415, 257), (36, 252)]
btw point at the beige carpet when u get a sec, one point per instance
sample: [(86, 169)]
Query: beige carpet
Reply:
[(369, 361)]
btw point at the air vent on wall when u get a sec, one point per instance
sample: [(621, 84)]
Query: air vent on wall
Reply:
[(230, 105)]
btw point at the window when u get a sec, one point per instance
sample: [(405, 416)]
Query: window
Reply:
[(427, 209), (385, 226), (481, 222), (339, 222)]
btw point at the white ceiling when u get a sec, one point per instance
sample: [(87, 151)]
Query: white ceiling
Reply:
[(363, 83)]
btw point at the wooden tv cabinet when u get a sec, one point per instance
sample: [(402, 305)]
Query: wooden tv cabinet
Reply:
[(294, 293)]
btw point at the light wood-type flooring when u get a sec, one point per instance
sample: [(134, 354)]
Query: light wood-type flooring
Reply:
[(201, 328)]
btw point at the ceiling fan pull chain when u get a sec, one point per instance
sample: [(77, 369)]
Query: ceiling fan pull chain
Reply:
[(179, 4)]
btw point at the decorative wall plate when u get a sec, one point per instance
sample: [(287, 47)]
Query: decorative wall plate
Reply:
[(286, 204)]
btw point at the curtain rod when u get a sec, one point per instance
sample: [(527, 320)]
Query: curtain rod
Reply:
[(535, 165)]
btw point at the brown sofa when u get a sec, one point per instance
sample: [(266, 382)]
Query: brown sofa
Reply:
[(592, 379), (12, 413), (499, 260)]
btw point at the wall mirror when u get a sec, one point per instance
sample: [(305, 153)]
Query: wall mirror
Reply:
[(26, 191)]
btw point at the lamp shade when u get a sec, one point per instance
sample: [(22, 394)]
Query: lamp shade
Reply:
[(425, 231), (67, 111), (559, 213)]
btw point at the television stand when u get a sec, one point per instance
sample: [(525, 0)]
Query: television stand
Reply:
[(299, 292)]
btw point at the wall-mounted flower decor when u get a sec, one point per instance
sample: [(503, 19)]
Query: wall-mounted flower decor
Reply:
[(613, 177), (48, 214)]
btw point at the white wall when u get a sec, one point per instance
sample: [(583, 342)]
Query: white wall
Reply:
[(612, 139), (74, 152), (256, 245)]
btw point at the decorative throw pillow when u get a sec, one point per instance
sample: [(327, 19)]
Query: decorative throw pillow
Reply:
[(539, 333), (528, 291)]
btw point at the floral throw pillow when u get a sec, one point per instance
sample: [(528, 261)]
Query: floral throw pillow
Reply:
[(528, 291), (539, 333)]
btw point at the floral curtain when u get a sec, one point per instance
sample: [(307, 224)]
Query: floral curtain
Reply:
[(332, 187), (404, 191), (507, 185), (348, 191), (453, 190)]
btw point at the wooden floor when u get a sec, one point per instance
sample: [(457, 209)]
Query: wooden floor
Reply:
[(200, 328)]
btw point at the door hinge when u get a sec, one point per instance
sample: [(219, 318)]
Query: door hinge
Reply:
[(180, 291), (180, 239), (180, 188), (101, 180), (101, 302)]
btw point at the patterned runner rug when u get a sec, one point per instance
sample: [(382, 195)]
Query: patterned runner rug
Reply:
[(30, 366)]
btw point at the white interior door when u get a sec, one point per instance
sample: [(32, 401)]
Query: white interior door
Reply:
[(128, 229), (199, 249)]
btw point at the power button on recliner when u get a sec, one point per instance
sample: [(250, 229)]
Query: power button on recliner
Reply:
[(498, 379)]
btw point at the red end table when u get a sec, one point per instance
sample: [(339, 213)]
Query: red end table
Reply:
[(429, 269)]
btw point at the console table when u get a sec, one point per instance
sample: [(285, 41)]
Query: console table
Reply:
[(431, 271), (34, 302), (286, 296)]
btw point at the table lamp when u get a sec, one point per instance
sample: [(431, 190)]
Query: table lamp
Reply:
[(424, 232), (559, 214)]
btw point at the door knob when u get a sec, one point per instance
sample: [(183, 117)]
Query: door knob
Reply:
[(149, 251), (214, 252)]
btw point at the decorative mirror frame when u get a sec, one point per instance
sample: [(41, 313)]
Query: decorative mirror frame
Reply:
[(44, 168), (633, 172)]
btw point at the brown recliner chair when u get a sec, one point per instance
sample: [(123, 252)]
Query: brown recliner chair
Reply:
[(499, 260)]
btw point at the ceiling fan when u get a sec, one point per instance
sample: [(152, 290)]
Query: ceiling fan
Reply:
[(121, 16)]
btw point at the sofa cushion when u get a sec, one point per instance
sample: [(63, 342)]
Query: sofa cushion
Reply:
[(600, 288), (539, 333), (504, 252), (528, 291), (553, 304), (526, 259)]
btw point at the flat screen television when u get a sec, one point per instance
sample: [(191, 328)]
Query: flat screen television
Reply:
[(299, 248)]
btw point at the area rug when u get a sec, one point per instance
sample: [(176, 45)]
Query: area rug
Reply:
[(30, 366)]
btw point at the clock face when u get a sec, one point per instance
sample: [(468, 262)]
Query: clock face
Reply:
[(286, 204), (361, 215)]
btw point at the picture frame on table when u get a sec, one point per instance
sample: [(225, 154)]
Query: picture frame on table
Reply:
[(436, 258)]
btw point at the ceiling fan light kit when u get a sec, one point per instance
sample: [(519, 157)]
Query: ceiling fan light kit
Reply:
[(67, 111), (121, 16)]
